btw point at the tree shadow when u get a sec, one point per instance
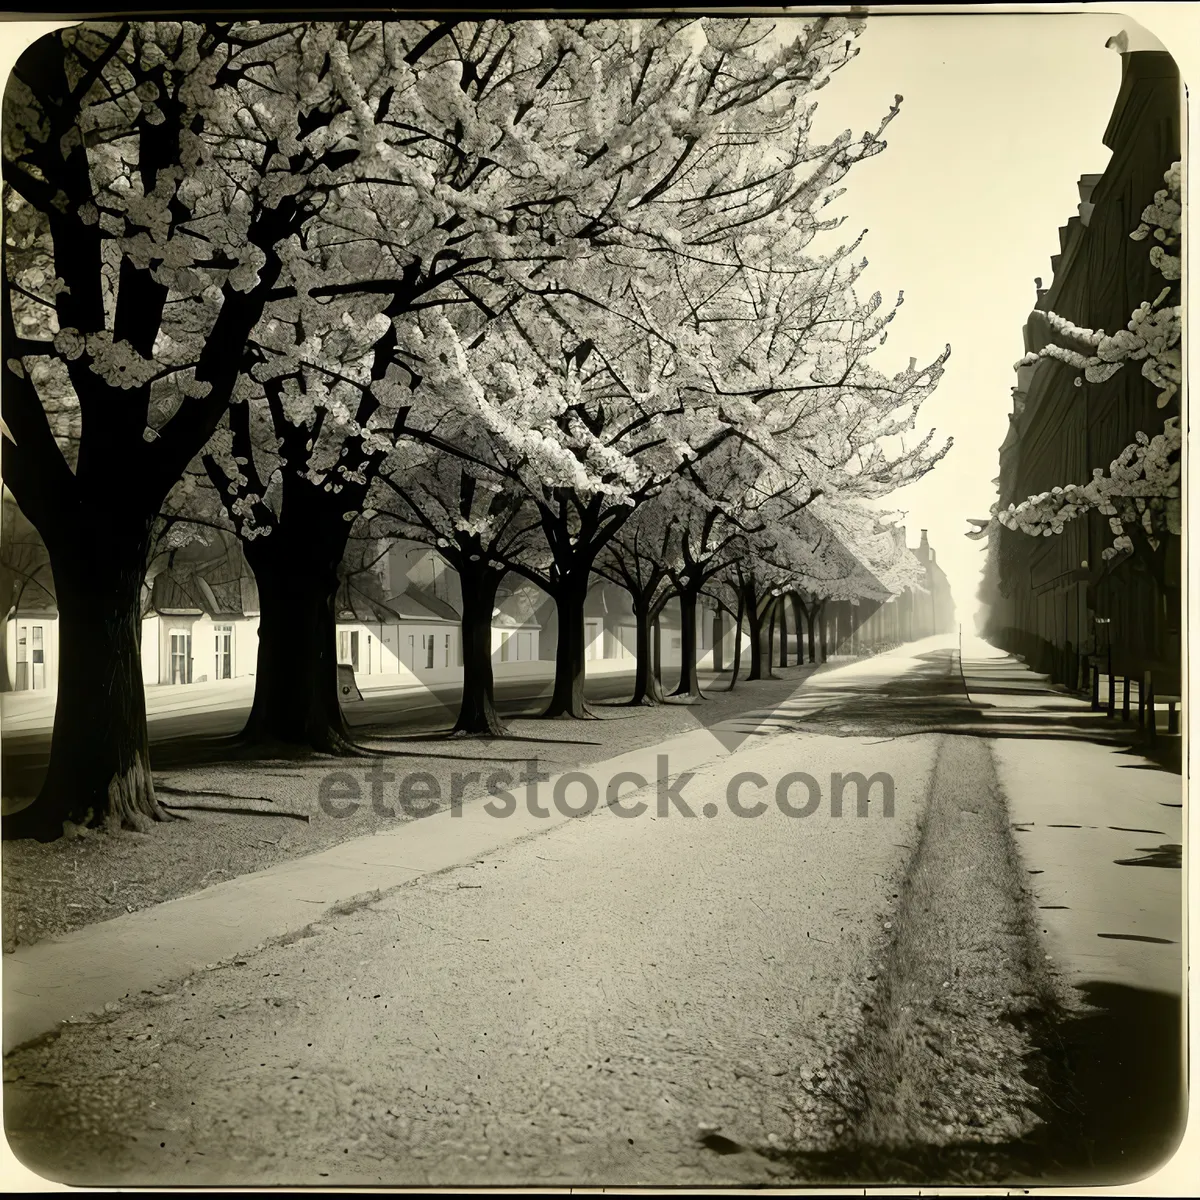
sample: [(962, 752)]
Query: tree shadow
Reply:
[(1113, 1107)]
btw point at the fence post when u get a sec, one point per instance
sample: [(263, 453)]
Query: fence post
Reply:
[(1125, 700), (1112, 687)]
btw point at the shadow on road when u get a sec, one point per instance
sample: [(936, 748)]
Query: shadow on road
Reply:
[(1114, 1108)]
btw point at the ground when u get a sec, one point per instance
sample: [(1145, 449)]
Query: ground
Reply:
[(692, 1001)]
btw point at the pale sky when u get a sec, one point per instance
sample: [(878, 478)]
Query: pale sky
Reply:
[(1001, 116)]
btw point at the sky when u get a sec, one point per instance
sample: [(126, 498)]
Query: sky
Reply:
[(1001, 115)]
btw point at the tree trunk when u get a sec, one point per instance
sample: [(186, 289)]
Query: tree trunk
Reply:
[(783, 631), (647, 689), (477, 711), (657, 691), (813, 612), (760, 655), (798, 621), (568, 699), (689, 679), (737, 641), (818, 614), (296, 685), (99, 771)]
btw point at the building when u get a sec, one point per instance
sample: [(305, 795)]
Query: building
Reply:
[(1056, 600), (29, 617), (200, 616)]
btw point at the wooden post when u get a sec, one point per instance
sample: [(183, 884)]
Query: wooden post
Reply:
[(1094, 671), (1112, 687), (1125, 699), (1151, 728), (1172, 717), (1142, 701)]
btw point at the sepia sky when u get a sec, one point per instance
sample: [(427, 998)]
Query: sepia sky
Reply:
[(1001, 116)]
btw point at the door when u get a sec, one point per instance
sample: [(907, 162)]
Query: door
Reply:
[(223, 652), (594, 636), (181, 657), (31, 657), (348, 647)]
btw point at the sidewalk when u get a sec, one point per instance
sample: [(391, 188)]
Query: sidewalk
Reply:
[(57, 980), (1099, 827), (28, 711)]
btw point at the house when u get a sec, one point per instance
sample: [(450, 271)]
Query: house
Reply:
[(200, 617), (517, 622), (29, 617), (404, 634)]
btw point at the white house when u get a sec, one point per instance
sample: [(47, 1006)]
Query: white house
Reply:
[(199, 630), (406, 634)]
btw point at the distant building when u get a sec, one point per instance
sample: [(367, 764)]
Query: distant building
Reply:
[(868, 626)]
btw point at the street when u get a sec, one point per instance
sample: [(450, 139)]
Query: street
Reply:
[(666, 997)]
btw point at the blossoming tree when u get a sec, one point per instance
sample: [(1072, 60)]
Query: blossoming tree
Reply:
[(1152, 334), (157, 175), (1140, 492), (512, 160)]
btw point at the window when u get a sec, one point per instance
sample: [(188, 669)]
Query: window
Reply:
[(504, 639), (449, 663), (31, 658), (223, 651), (427, 643), (368, 654), (181, 657)]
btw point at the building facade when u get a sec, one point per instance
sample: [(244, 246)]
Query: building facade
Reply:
[(1056, 600)]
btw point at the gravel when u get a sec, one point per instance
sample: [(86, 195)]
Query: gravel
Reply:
[(50, 889)]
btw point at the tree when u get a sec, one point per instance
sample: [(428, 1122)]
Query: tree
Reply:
[(1140, 495), (150, 206), (1152, 334), (636, 559), (479, 527), (518, 172)]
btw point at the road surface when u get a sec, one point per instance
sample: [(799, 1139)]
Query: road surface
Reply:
[(649, 999)]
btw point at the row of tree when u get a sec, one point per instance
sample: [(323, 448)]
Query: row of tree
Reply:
[(554, 297)]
